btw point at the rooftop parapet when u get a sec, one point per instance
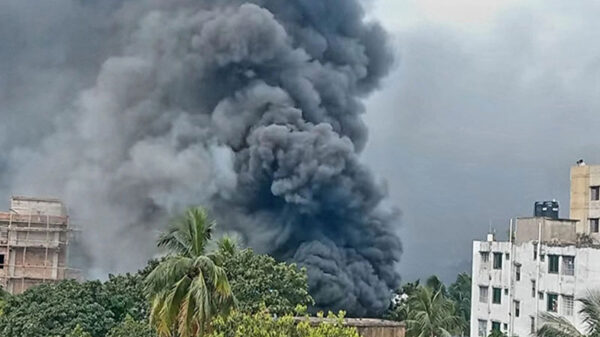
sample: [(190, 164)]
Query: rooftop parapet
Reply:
[(546, 229), (37, 206)]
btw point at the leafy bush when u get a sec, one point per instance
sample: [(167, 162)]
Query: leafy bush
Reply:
[(262, 324), (78, 332), (132, 328), (72, 308)]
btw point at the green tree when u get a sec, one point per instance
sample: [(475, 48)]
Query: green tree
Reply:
[(410, 288), (4, 296), (460, 293), (262, 324), (557, 326), (55, 309), (258, 280), (132, 328), (126, 296), (78, 332), (399, 309), (431, 314), (189, 287), (434, 283)]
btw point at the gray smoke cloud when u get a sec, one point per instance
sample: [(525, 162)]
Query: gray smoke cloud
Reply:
[(252, 108)]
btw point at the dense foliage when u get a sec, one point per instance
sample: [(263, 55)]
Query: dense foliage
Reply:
[(432, 309), (431, 313), (56, 309), (259, 281), (262, 324), (434, 283), (79, 332), (189, 286), (132, 328), (399, 310), (460, 293)]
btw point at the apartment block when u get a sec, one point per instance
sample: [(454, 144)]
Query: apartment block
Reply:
[(34, 242), (544, 266)]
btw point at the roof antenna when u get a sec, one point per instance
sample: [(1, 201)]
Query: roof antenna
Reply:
[(491, 236)]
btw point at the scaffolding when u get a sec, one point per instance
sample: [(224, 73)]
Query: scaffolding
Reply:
[(33, 247)]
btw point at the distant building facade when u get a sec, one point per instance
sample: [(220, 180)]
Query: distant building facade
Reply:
[(545, 266), (34, 243)]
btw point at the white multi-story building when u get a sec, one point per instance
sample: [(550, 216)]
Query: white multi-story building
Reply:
[(516, 280)]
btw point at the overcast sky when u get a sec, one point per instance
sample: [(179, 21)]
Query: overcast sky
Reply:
[(489, 105)]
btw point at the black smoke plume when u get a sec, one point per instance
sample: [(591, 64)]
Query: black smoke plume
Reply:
[(252, 108)]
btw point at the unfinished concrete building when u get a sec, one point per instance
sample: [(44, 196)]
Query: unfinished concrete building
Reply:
[(34, 241)]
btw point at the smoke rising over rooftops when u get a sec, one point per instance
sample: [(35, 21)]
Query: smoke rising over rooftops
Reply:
[(252, 108)]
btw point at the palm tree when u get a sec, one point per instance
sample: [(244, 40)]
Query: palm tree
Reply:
[(431, 314), (557, 326), (460, 293), (189, 286), (227, 246), (434, 283)]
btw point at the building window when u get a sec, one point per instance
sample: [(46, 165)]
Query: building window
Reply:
[(540, 295), (517, 305), (483, 294), (552, 303), (595, 193), (534, 251), (518, 273), (594, 225), (567, 305), (553, 264), (497, 296), (505, 326), (495, 326), (542, 257), (532, 326), (568, 265), (497, 260), (533, 288), (1, 261), (482, 328), (485, 257), (507, 256)]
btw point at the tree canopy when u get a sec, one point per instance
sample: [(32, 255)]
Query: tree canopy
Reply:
[(259, 280), (56, 309), (460, 293), (132, 328), (433, 309), (262, 324), (431, 314)]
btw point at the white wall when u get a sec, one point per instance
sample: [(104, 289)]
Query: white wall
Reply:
[(587, 277)]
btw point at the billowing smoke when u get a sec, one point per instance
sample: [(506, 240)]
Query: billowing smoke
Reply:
[(252, 108)]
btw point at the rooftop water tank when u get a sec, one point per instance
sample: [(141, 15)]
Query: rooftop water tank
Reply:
[(547, 209)]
